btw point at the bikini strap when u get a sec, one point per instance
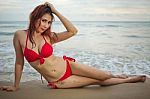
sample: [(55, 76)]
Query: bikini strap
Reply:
[(45, 38), (68, 58), (26, 39)]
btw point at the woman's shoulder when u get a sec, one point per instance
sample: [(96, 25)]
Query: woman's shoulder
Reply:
[(50, 37), (20, 33)]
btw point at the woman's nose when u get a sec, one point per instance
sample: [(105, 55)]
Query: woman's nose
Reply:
[(46, 25)]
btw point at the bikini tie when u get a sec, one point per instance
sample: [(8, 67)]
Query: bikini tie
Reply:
[(42, 60)]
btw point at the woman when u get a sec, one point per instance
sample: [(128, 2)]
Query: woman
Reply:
[(60, 72)]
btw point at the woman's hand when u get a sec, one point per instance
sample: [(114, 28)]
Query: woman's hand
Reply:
[(8, 88), (51, 6)]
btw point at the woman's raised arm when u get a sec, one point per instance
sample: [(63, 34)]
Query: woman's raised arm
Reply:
[(71, 29)]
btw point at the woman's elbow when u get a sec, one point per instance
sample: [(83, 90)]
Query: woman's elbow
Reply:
[(19, 62), (74, 32)]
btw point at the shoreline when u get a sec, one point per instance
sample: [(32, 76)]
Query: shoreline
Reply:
[(36, 90)]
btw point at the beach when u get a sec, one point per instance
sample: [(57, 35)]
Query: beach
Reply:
[(108, 35), (121, 47), (118, 47), (36, 90)]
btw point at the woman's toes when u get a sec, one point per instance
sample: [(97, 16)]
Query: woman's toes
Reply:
[(143, 78)]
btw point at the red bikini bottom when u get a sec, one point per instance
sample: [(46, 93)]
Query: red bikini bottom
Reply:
[(67, 74)]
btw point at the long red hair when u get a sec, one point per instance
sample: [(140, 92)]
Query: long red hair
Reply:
[(36, 14)]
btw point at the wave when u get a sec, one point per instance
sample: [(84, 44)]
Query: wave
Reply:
[(109, 26), (112, 26), (5, 26), (135, 36), (6, 33)]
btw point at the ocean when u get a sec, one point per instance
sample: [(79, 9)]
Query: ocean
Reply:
[(115, 46)]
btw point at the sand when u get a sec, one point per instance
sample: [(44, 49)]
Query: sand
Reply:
[(36, 90)]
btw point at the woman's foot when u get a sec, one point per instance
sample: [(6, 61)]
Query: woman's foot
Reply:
[(135, 79)]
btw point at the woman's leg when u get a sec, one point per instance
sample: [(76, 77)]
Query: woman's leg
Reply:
[(114, 81), (75, 81), (87, 71)]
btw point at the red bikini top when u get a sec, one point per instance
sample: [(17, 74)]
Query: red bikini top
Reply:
[(31, 56)]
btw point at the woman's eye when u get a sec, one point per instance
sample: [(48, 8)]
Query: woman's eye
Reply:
[(49, 22), (43, 20)]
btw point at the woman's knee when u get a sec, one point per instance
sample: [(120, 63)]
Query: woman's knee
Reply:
[(107, 75)]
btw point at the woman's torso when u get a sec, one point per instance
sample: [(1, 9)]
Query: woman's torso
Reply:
[(53, 66)]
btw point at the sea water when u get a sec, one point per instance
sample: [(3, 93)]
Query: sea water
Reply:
[(115, 46)]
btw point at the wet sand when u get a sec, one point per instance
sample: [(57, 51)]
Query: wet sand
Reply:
[(37, 90)]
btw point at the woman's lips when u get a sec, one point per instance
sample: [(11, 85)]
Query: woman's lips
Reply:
[(42, 29)]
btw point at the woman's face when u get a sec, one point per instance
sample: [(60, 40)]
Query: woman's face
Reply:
[(43, 23)]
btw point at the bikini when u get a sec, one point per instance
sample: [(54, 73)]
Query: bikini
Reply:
[(67, 74), (46, 51), (32, 56)]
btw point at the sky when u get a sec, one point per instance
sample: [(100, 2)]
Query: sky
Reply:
[(80, 10)]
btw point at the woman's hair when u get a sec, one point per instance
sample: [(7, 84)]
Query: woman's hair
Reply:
[(36, 14)]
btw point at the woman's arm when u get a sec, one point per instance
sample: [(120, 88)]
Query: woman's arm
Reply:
[(18, 64), (19, 59), (71, 29)]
